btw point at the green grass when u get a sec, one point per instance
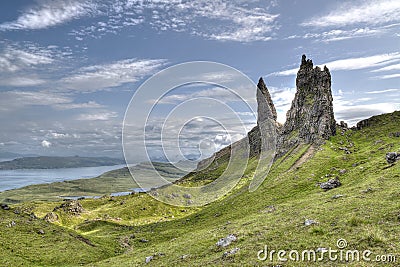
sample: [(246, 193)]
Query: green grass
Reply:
[(367, 214)]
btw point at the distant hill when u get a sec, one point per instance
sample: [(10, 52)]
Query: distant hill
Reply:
[(5, 155), (119, 180), (43, 162)]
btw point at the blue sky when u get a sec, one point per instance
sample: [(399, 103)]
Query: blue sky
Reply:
[(68, 69)]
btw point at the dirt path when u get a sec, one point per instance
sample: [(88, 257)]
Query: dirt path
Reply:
[(304, 158)]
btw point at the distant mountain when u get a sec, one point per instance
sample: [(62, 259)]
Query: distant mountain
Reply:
[(11, 155), (43, 162)]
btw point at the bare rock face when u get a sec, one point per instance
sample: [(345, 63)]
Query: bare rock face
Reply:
[(310, 118), (266, 109)]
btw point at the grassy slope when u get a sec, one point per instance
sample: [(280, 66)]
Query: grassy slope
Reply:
[(366, 216), (113, 181)]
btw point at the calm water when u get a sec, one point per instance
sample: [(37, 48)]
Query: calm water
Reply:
[(11, 179)]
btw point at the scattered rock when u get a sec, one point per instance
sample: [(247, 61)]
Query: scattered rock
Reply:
[(396, 134), (149, 259), (11, 224), (309, 222), (188, 196), (330, 184), (5, 207), (224, 242), (40, 232), (368, 190), (143, 240), (337, 196), (71, 206), (392, 157), (269, 209), (184, 256), (343, 171), (230, 252), (321, 250), (51, 217)]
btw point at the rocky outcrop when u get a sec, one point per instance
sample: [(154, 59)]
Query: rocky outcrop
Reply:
[(310, 118), (71, 207), (266, 123)]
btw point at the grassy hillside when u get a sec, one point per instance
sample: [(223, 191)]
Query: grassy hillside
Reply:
[(364, 210), (110, 182)]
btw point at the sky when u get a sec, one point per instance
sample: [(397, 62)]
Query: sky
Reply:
[(69, 69)]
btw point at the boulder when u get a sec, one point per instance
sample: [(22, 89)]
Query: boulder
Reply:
[(330, 184), (224, 242), (5, 207), (392, 157)]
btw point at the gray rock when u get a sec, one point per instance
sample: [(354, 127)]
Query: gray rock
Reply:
[(224, 242), (143, 240), (51, 217), (310, 118), (11, 224), (392, 157), (330, 184), (230, 252), (149, 259), (71, 206), (337, 196), (5, 207), (40, 232), (309, 222), (188, 196)]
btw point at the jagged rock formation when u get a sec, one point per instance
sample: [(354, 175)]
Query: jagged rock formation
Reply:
[(310, 118), (266, 122)]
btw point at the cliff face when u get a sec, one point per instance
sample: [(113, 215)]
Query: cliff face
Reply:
[(310, 118)]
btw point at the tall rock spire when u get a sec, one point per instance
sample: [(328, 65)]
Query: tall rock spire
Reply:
[(310, 118), (263, 97)]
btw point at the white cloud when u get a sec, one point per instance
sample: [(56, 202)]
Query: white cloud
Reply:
[(48, 14), (340, 34), (388, 68), (14, 59), (352, 63), (221, 20), (21, 81), (99, 77), (14, 100), (388, 76), (383, 91), (101, 116), (371, 12), (86, 105), (46, 144), (355, 110)]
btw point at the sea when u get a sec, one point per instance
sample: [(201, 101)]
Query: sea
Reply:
[(12, 179)]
